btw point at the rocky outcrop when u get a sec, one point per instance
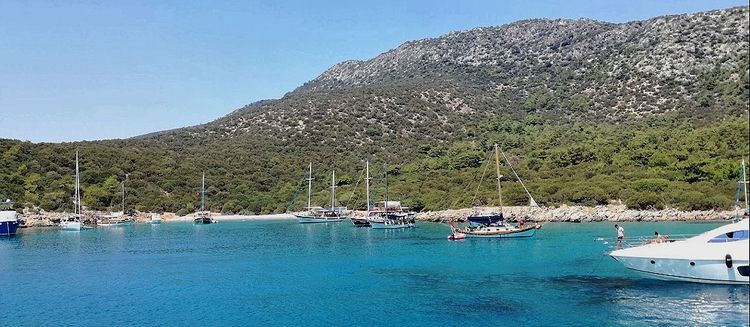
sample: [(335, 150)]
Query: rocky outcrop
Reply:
[(41, 218), (578, 214)]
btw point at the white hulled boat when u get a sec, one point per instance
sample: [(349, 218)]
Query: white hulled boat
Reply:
[(719, 256), (318, 214), (74, 222), (493, 225), (116, 219), (155, 218)]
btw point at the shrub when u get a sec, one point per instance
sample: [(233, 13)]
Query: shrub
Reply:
[(644, 201)]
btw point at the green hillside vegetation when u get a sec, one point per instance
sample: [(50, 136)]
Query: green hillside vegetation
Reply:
[(650, 163)]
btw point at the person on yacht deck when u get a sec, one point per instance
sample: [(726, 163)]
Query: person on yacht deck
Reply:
[(620, 234)]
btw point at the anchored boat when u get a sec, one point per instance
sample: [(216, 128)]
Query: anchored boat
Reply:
[(74, 222), (493, 225), (718, 256), (155, 219), (116, 219), (392, 215), (363, 221), (203, 217), (318, 214), (9, 221)]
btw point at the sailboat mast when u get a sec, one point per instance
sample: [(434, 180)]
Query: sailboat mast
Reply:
[(309, 186), (203, 192), (76, 209), (333, 190), (744, 181), (367, 183), (123, 197), (497, 172), (385, 169)]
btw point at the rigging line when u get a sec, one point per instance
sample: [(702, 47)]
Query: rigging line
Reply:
[(355, 187), (293, 202), (486, 161), (374, 186), (486, 166), (533, 203)]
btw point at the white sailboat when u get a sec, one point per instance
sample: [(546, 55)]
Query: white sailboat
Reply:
[(74, 222), (719, 256), (493, 225), (203, 217), (318, 214), (116, 219)]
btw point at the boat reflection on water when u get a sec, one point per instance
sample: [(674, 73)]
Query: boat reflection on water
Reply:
[(652, 302)]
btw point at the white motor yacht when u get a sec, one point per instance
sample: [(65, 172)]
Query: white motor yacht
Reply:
[(719, 256)]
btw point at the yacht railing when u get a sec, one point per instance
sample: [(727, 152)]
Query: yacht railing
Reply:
[(635, 241)]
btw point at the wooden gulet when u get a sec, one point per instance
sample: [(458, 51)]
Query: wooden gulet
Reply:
[(319, 215), (358, 221)]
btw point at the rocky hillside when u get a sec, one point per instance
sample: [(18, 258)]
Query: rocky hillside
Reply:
[(631, 68), (440, 89)]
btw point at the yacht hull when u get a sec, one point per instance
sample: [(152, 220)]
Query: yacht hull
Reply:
[(71, 225), (381, 225), (701, 271), (502, 233), (9, 228), (117, 224), (203, 221), (360, 222), (314, 220), (718, 256)]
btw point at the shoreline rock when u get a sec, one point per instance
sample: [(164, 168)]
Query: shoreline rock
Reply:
[(564, 213), (579, 214)]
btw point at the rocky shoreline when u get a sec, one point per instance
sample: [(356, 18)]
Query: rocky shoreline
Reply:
[(49, 219), (571, 214), (581, 214)]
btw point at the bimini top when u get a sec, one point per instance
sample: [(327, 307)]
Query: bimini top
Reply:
[(486, 219)]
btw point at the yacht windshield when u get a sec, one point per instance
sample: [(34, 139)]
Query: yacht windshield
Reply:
[(737, 235)]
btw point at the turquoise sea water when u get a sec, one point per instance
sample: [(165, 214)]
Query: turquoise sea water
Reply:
[(283, 273)]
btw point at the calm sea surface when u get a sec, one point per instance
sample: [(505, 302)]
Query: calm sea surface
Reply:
[(284, 273)]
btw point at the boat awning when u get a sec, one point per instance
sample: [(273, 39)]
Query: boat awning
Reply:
[(486, 219)]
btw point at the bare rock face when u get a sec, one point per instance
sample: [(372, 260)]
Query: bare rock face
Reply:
[(641, 58), (578, 69)]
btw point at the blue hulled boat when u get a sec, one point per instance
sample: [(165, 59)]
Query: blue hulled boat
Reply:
[(9, 221)]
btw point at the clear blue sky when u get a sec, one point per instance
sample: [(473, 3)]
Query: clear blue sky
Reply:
[(85, 70)]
